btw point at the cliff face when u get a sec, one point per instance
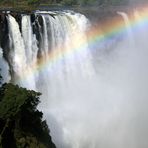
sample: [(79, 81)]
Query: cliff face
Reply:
[(26, 128)]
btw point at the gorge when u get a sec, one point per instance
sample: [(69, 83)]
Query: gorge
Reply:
[(91, 71)]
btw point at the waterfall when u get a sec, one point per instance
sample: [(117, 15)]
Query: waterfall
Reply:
[(91, 98), (4, 68), (63, 58), (127, 23), (29, 39), (18, 56)]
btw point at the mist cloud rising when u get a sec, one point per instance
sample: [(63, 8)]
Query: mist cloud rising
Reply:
[(109, 110)]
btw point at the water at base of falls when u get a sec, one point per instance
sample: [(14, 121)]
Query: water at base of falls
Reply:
[(91, 98)]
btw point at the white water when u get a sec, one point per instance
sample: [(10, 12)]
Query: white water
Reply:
[(23, 51), (90, 99), (30, 41), (4, 67)]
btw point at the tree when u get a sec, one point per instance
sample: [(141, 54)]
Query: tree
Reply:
[(20, 122), (88, 2), (69, 2), (33, 2)]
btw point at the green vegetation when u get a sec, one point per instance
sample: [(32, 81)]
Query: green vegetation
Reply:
[(21, 124), (33, 4), (69, 2), (92, 2)]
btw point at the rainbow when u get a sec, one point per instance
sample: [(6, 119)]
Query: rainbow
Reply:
[(99, 34)]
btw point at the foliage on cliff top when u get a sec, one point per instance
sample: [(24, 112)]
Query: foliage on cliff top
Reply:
[(33, 4), (21, 123)]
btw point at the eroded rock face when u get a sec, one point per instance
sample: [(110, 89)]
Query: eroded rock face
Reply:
[(4, 32)]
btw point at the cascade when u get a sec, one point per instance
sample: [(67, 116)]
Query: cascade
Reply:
[(91, 98), (127, 24), (4, 68)]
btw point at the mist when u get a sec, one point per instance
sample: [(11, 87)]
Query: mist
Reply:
[(108, 108)]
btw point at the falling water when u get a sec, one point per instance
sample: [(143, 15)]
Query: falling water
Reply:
[(18, 56), (89, 100), (4, 68), (129, 30)]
